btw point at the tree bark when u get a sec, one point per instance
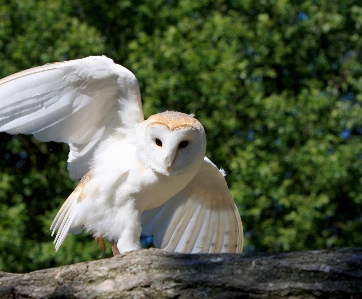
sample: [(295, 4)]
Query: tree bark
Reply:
[(153, 273)]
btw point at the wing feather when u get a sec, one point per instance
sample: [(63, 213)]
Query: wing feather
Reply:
[(179, 223), (213, 228), (189, 235), (204, 237), (64, 219), (231, 234), (201, 218), (79, 102), (198, 239)]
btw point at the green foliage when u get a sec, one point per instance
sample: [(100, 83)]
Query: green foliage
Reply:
[(37, 32), (277, 85), (33, 177)]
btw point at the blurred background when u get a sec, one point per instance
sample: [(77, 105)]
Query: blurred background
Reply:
[(277, 85)]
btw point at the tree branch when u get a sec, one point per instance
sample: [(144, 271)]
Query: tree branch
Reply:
[(153, 273)]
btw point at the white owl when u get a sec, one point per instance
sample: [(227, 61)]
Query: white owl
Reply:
[(138, 175)]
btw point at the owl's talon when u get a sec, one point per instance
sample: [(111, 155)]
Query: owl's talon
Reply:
[(114, 248), (102, 245)]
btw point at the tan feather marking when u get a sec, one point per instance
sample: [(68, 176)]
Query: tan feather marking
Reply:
[(85, 179), (174, 120)]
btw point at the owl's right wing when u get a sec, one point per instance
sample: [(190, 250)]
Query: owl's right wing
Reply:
[(79, 102), (202, 218)]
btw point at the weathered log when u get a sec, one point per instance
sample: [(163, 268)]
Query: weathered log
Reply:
[(153, 273)]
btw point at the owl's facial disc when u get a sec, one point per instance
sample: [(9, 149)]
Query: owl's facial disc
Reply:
[(173, 143), (173, 152), (169, 153)]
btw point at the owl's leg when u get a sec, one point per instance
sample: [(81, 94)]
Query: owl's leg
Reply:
[(102, 245), (129, 240), (129, 236), (115, 250)]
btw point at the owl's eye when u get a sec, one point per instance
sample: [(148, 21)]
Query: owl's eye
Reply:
[(183, 144), (158, 142)]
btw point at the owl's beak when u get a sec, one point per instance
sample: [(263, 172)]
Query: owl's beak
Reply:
[(168, 165), (168, 160)]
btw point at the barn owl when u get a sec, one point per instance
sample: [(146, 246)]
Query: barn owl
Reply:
[(137, 176)]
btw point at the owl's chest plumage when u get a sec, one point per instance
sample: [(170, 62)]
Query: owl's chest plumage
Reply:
[(122, 188), (153, 189)]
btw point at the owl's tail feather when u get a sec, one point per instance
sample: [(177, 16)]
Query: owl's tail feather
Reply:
[(67, 213)]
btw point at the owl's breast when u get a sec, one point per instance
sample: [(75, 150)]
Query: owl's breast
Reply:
[(152, 189)]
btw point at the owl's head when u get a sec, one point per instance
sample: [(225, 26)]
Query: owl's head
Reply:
[(171, 143)]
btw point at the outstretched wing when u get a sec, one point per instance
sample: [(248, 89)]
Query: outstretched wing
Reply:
[(79, 102), (202, 218)]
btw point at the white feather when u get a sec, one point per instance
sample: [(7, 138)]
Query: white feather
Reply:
[(79, 102), (64, 219), (200, 218)]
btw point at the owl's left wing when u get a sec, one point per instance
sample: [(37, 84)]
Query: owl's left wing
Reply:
[(80, 102), (202, 218)]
